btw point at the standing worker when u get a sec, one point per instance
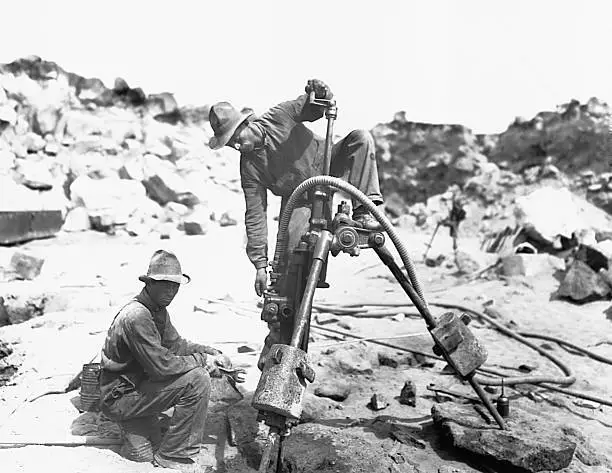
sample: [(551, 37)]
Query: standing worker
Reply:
[(278, 152), (147, 367)]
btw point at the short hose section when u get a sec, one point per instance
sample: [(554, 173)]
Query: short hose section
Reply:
[(283, 225)]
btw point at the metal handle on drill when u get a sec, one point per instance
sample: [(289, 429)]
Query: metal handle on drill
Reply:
[(331, 113)]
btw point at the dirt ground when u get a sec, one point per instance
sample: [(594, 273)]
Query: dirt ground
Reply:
[(88, 276)]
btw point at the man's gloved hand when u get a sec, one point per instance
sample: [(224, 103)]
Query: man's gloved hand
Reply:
[(200, 358), (320, 88), (261, 281), (214, 362)]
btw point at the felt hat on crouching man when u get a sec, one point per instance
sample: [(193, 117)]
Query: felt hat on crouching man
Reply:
[(165, 266)]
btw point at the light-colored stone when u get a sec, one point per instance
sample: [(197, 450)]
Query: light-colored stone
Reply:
[(197, 222), (109, 198), (163, 183), (7, 161), (33, 142), (25, 265), (526, 264), (77, 220), (552, 212)]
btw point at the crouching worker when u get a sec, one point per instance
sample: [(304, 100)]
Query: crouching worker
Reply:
[(147, 367)]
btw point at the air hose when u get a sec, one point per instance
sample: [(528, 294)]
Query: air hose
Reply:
[(281, 250), (283, 225)]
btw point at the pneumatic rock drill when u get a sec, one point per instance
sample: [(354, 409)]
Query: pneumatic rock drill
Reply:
[(298, 272)]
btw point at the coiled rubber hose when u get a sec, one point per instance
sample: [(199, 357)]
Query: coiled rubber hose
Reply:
[(283, 225)]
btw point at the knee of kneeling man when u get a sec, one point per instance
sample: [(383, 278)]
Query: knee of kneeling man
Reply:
[(199, 378), (362, 136)]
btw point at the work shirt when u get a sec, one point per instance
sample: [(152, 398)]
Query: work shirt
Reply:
[(291, 154), (142, 343)]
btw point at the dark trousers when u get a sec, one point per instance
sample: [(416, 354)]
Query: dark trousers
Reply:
[(188, 393), (354, 160)]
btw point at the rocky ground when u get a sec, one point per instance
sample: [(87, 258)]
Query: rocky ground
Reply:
[(131, 173), (86, 277)]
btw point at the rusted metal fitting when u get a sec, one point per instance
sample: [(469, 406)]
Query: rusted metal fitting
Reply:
[(455, 340), (283, 381)]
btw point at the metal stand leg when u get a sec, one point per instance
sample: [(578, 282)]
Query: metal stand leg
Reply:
[(402, 279)]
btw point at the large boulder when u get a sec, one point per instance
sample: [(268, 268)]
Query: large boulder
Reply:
[(113, 200), (553, 212), (164, 184), (161, 104)]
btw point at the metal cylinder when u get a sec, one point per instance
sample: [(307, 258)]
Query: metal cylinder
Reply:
[(281, 386), (503, 406), (90, 387)]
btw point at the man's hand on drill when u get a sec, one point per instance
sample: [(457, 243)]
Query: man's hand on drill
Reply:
[(320, 88), (261, 281)]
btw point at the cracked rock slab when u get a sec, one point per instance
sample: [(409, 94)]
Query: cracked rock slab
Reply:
[(530, 442)]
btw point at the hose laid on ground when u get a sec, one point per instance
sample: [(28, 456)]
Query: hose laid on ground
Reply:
[(281, 249), (520, 336), (282, 239), (569, 392), (356, 310)]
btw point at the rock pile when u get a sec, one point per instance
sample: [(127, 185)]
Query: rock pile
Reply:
[(570, 147), (107, 157)]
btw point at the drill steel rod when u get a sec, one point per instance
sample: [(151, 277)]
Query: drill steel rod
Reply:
[(402, 279), (302, 317), (273, 438), (486, 401), (279, 456)]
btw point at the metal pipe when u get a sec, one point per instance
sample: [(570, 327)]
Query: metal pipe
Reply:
[(273, 437), (387, 259), (331, 117), (486, 401), (319, 257)]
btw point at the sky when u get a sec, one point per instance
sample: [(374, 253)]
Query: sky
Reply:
[(477, 63)]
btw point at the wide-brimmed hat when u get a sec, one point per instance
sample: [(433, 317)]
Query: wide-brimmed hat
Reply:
[(224, 120), (165, 266)]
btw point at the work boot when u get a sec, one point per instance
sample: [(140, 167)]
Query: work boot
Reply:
[(136, 445), (184, 465), (366, 219)]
